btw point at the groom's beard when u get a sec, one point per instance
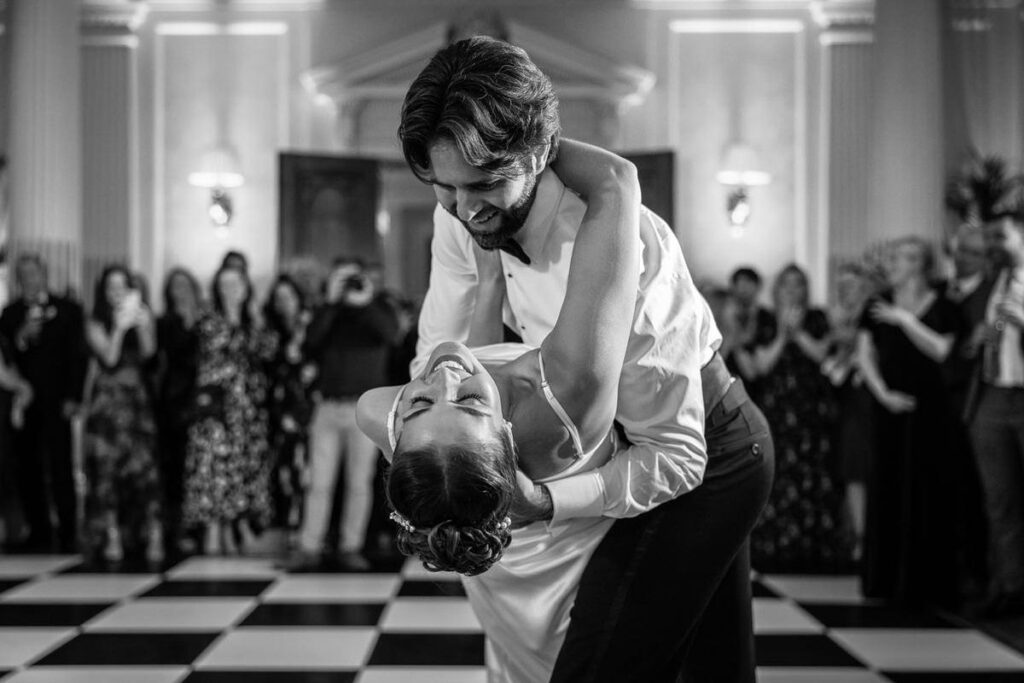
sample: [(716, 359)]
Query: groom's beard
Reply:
[(511, 220)]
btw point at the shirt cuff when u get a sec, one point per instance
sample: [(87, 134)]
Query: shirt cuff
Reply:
[(581, 495)]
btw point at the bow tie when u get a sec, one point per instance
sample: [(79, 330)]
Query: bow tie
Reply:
[(512, 247)]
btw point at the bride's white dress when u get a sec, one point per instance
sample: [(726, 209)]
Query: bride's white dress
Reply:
[(524, 601)]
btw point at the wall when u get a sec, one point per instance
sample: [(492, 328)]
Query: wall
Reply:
[(212, 79), (744, 85)]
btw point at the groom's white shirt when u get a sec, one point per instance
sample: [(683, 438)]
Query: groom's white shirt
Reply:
[(661, 406)]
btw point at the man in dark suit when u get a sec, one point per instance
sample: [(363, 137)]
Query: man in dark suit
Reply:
[(970, 288), (46, 334), (996, 412)]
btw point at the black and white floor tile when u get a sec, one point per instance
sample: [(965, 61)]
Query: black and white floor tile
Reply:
[(215, 620)]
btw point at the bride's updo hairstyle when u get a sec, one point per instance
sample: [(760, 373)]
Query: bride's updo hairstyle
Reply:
[(451, 505)]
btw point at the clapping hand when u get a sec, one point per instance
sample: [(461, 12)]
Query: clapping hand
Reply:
[(791, 319), (1011, 310), (888, 314), (898, 402), (125, 318)]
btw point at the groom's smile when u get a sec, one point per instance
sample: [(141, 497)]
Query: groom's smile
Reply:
[(492, 208)]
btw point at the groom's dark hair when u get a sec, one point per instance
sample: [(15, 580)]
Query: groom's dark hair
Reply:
[(487, 98)]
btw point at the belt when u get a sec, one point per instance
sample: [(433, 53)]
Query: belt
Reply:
[(715, 380)]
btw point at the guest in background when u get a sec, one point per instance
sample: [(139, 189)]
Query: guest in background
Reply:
[(725, 310), (854, 439), (228, 463), (123, 484), (906, 336), (996, 413), (15, 396), (237, 260), (350, 340), (799, 529), (178, 348), (291, 404), (47, 337), (745, 287), (970, 289)]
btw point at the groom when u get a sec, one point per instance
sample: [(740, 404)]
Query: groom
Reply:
[(480, 124)]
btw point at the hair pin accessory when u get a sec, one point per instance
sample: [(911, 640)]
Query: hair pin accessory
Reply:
[(504, 524), (401, 521)]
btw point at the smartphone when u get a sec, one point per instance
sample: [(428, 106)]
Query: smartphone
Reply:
[(132, 300)]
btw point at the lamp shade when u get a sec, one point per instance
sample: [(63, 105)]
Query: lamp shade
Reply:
[(741, 165), (218, 167)]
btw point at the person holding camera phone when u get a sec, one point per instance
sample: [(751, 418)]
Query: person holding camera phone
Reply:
[(124, 490), (349, 339)]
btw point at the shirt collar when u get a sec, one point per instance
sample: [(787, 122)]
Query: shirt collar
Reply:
[(542, 214)]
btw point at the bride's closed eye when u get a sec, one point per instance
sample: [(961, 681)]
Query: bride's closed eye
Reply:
[(421, 399)]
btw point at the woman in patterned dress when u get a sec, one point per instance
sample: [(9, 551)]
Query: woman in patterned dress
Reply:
[(228, 463), (800, 528), (291, 406), (120, 433)]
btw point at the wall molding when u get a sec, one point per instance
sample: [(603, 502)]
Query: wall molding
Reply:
[(830, 14), (237, 5), (112, 16)]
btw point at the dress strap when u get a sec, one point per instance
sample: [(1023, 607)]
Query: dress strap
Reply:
[(574, 433), (392, 437)]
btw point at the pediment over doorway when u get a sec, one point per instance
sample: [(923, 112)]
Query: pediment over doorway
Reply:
[(366, 89)]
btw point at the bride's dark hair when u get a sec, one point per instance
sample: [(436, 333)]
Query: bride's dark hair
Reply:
[(456, 501)]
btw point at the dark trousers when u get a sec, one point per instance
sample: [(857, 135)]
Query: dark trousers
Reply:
[(666, 596), (997, 433), (45, 474)]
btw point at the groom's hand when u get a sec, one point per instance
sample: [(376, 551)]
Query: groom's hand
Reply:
[(532, 502)]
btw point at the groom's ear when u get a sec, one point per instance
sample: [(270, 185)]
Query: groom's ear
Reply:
[(538, 161)]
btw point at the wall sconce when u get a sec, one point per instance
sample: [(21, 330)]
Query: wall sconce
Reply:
[(218, 172), (741, 170)]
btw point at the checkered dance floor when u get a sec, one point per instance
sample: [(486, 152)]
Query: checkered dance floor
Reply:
[(216, 620)]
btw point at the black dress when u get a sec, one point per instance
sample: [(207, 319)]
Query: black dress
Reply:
[(799, 529), (290, 409), (178, 348), (908, 553)]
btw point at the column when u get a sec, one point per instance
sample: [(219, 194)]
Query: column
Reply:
[(45, 187), (110, 145), (846, 47), (907, 160)]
